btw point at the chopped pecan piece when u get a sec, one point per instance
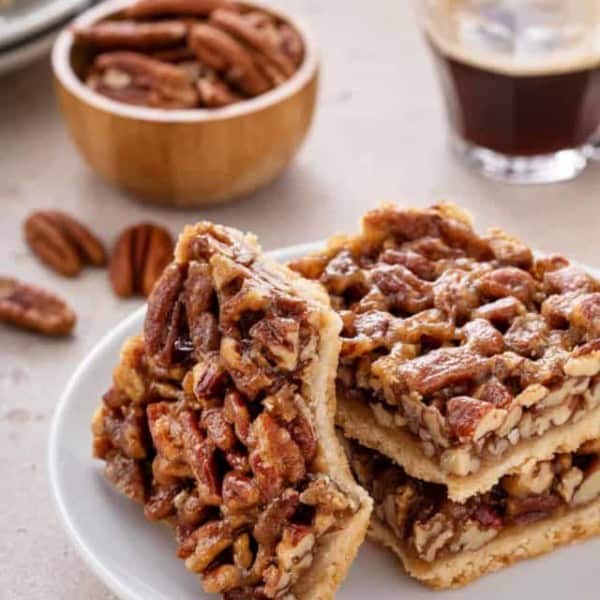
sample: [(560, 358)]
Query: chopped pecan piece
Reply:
[(530, 508), (218, 430), (569, 279), (404, 291), (343, 273), (509, 250), (165, 431), (210, 540), (160, 503), (470, 419), (546, 264), (236, 412), (585, 313), (199, 298), (508, 281), (496, 393), (200, 455), (527, 335), (274, 457), (501, 311), (126, 475), (240, 492), (482, 337), (454, 292), (442, 368), (589, 489), (417, 263), (125, 428), (271, 522), (280, 337)]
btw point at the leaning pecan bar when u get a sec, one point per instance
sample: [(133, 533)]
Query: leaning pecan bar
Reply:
[(446, 544), (220, 422), (463, 355)]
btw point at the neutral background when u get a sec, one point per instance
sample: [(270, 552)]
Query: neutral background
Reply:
[(379, 134)]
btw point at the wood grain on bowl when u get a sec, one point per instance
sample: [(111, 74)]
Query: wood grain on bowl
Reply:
[(188, 157)]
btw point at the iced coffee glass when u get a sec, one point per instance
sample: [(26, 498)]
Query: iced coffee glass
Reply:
[(521, 83)]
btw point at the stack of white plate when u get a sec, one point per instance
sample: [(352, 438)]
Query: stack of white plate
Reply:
[(28, 28)]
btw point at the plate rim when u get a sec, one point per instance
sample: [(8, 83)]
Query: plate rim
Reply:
[(38, 19), (122, 590)]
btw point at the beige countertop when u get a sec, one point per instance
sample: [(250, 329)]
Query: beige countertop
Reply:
[(379, 134)]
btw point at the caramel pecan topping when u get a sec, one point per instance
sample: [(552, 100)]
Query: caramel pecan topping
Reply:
[(207, 423), (456, 336), (62, 242), (31, 307)]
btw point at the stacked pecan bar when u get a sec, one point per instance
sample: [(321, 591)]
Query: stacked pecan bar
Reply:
[(469, 382), (220, 422)]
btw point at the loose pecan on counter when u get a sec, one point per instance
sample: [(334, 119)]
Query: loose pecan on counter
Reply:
[(62, 242), (30, 307), (139, 258)]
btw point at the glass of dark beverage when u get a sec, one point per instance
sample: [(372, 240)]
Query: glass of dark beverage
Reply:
[(521, 83)]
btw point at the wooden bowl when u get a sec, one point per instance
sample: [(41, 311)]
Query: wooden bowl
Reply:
[(185, 157)]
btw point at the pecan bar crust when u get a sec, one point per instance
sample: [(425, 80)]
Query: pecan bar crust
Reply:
[(463, 355), (447, 544), (220, 422)]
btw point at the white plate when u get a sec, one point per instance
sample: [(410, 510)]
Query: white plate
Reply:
[(23, 54), (136, 559), (20, 19)]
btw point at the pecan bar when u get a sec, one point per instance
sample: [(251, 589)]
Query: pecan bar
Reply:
[(446, 544), (220, 422), (463, 355)]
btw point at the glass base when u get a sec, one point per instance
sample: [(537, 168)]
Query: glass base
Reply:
[(546, 168)]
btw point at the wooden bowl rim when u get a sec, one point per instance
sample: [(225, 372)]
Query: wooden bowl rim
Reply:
[(63, 71)]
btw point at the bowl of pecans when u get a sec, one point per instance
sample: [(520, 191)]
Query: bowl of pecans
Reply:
[(186, 102)]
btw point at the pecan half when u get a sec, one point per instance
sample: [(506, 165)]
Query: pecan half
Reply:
[(30, 307), (215, 93), (154, 8), (223, 53), (62, 242), (139, 258), (134, 78), (257, 37), (131, 35)]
